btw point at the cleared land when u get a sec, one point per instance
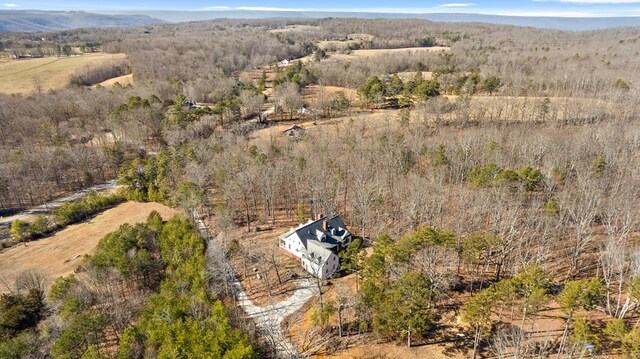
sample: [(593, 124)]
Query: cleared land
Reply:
[(124, 80), (313, 93), (344, 44), (25, 76), (293, 28), (61, 253), (356, 54), (410, 75)]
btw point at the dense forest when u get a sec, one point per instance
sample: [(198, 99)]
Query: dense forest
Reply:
[(502, 186)]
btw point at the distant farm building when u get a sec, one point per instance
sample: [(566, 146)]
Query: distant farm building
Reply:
[(294, 131)]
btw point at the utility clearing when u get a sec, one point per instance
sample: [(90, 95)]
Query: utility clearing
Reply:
[(27, 76), (61, 253)]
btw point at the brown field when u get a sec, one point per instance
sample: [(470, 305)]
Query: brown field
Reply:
[(311, 93), (409, 75), (61, 253), (358, 54), (293, 28), (371, 119), (23, 76), (335, 44), (124, 80)]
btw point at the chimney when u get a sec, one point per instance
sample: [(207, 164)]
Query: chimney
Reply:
[(320, 215), (325, 226)]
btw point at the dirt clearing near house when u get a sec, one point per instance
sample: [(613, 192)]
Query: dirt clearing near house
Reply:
[(61, 253), (25, 76)]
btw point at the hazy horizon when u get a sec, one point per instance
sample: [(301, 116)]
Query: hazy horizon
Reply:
[(542, 8)]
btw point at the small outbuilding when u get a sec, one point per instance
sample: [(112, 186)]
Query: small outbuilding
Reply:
[(294, 131)]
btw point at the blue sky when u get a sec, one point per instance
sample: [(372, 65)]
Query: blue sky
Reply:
[(500, 7)]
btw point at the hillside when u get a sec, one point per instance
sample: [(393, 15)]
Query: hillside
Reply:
[(42, 74), (485, 177), (543, 22), (29, 20)]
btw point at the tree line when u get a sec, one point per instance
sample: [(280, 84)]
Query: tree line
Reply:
[(68, 213), (143, 293)]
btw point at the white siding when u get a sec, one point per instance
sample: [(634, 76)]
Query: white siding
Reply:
[(326, 269), (293, 245)]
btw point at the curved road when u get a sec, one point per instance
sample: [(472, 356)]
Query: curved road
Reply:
[(269, 318)]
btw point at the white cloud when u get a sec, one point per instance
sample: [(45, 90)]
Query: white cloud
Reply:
[(249, 8), (458, 5), (460, 8), (610, 2), (217, 8), (543, 13), (265, 8), (10, 5)]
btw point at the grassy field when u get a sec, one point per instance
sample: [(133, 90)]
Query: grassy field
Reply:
[(356, 54), (410, 75), (23, 76), (123, 80), (61, 253), (344, 44)]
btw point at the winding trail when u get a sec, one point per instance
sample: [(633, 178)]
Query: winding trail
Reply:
[(269, 319)]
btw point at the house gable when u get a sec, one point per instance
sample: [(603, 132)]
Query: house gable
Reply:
[(317, 244)]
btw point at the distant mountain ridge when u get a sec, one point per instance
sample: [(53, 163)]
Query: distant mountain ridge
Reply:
[(35, 20), (559, 23)]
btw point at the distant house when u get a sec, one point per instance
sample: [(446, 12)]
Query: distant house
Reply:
[(294, 131), (316, 244)]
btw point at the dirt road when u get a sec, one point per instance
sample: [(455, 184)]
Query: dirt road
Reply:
[(269, 318)]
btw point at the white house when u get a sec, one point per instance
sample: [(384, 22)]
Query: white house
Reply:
[(316, 244)]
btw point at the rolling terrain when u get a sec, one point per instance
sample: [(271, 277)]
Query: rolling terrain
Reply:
[(41, 74), (31, 20), (61, 253), (543, 22)]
